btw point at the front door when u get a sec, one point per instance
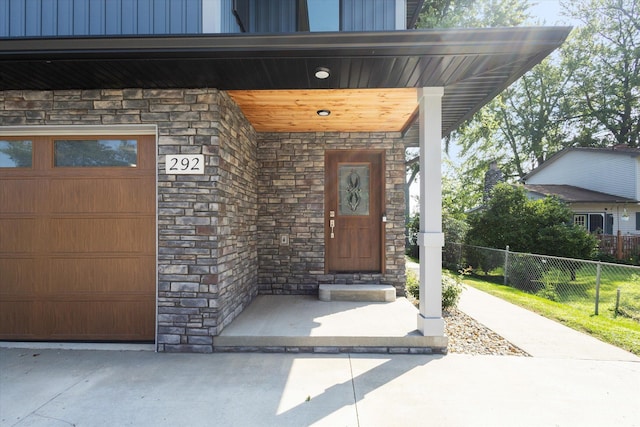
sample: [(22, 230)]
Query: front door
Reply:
[(354, 196)]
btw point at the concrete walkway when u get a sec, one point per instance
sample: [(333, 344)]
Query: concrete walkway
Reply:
[(537, 335)]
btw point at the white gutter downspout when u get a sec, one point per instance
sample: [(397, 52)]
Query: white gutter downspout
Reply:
[(430, 237)]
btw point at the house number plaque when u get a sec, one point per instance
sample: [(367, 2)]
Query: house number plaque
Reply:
[(184, 164)]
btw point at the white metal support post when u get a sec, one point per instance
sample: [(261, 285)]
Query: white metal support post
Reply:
[(430, 238)]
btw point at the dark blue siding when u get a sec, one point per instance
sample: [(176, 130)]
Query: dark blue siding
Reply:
[(273, 16), (51, 18), (29, 18), (229, 23), (368, 15)]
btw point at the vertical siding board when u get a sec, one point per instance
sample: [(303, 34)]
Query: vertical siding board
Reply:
[(64, 16), (272, 16), (16, 18), (96, 17), (176, 16), (33, 18), (254, 6), (346, 15), (229, 23), (160, 17), (80, 17), (4, 18), (48, 21), (194, 17), (145, 17), (367, 15), (113, 17), (129, 17)]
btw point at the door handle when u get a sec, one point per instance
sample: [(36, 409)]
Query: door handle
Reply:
[(332, 224)]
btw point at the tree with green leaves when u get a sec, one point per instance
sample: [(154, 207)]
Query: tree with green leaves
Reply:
[(604, 56), (543, 226), (473, 13), (522, 126)]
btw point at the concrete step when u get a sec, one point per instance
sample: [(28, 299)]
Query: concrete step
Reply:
[(361, 293)]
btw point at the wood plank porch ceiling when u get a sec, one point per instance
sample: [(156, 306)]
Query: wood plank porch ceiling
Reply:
[(352, 110)]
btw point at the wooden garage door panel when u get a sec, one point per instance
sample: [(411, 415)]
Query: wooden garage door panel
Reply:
[(102, 235), (102, 195), (79, 320), (19, 275), (125, 320), (19, 235), (126, 275), (20, 195)]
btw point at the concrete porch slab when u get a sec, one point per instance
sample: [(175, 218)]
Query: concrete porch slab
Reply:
[(300, 323), (365, 293)]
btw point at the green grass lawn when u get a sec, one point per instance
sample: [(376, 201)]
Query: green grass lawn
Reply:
[(619, 331), (579, 292)]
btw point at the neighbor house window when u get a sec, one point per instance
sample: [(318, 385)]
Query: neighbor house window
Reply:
[(95, 153), (16, 154), (594, 222)]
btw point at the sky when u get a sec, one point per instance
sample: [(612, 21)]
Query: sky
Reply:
[(548, 11)]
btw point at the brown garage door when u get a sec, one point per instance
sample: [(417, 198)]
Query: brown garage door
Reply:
[(77, 238)]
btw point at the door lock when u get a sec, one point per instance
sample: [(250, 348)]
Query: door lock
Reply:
[(332, 224)]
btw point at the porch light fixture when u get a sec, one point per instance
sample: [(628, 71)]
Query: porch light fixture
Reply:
[(322, 73), (625, 215), (323, 113)]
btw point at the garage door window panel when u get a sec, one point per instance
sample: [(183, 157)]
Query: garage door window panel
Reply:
[(16, 154), (95, 153)]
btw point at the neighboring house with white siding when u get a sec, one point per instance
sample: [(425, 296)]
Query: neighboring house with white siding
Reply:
[(601, 185)]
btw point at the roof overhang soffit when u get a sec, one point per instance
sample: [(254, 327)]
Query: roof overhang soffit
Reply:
[(472, 65)]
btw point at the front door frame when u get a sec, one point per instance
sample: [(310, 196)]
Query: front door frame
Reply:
[(327, 229)]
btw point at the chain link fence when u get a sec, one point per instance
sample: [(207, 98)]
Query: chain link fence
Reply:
[(590, 286)]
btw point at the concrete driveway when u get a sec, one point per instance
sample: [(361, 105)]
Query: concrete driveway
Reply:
[(141, 388)]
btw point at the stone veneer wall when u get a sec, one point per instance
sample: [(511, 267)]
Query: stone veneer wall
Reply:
[(291, 202), (207, 259)]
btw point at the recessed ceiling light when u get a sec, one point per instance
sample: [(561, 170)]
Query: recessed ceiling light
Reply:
[(323, 113), (322, 73)]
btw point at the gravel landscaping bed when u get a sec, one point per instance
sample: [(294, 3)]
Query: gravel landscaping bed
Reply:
[(468, 336)]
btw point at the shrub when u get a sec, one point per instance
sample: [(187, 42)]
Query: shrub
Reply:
[(451, 289), (542, 226), (550, 292), (413, 284), (413, 228)]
